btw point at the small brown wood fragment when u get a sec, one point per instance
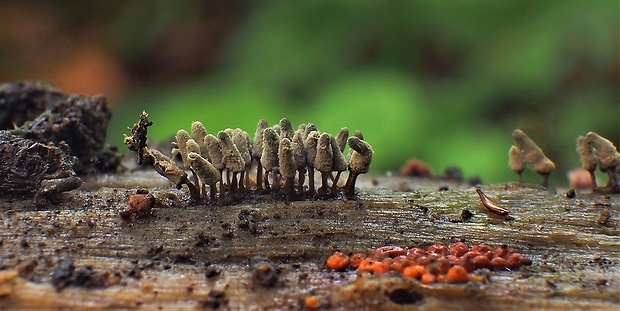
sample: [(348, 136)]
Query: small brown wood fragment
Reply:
[(490, 205)]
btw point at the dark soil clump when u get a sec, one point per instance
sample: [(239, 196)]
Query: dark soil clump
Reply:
[(49, 116), (25, 100)]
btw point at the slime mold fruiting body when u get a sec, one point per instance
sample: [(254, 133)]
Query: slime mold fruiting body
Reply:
[(279, 152)]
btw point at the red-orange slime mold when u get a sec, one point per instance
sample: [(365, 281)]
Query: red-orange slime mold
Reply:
[(437, 263)]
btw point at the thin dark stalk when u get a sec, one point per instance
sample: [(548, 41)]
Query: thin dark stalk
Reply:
[(259, 175), (289, 186), (335, 183), (300, 181), (350, 185), (212, 190), (276, 180), (311, 181), (233, 183), (242, 180), (324, 178), (267, 187)]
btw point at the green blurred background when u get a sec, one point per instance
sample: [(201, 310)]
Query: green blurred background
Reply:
[(445, 82)]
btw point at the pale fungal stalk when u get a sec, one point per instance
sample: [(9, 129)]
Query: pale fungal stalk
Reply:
[(269, 157), (359, 162), (215, 156), (310, 127), (339, 164), (242, 142), (360, 136), (311, 145), (517, 162), (324, 160), (302, 128), (608, 159), (341, 139), (167, 168), (198, 134), (206, 171), (192, 146), (589, 160), (286, 129), (257, 151), (233, 161), (534, 156), (286, 160), (180, 147), (299, 154)]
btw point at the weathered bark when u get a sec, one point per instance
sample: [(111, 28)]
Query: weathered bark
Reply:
[(160, 260)]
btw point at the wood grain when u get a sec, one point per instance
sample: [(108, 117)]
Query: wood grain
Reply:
[(161, 261)]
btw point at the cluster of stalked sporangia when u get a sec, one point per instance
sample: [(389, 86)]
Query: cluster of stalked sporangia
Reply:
[(596, 150), (593, 149), (281, 154), (526, 151)]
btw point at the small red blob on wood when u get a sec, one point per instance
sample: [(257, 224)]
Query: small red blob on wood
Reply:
[(458, 249), (387, 251), (437, 249), (499, 263), (457, 274), (467, 263), (471, 254), (514, 261), (415, 168), (483, 250), (416, 252), (400, 263), (338, 261), (313, 302), (139, 205), (428, 278), (356, 259), (414, 271), (482, 262), (503, 251), (580, 179)]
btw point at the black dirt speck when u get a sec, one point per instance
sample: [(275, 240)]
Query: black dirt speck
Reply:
[(61, 277), (264, 273)]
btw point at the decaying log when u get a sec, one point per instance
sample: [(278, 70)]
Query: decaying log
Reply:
[(204, 255)]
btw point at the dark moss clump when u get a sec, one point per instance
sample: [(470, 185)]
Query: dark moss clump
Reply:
[(25, 100), (47, 115)]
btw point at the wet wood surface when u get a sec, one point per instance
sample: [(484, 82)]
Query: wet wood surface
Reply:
[(201, 255)]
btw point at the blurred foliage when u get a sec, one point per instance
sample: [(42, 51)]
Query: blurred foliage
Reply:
[(442, 81), (143, 22)]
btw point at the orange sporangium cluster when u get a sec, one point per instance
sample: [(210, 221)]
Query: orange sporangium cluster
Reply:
[(436, 263)]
